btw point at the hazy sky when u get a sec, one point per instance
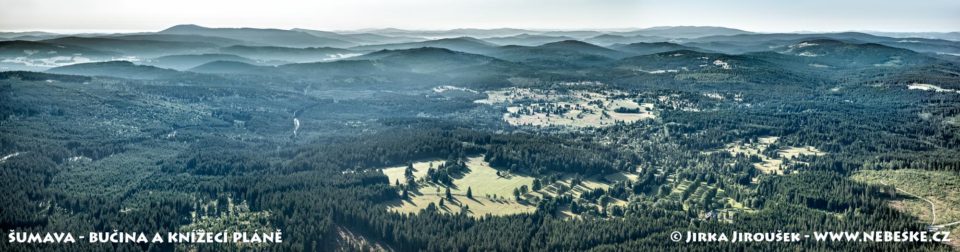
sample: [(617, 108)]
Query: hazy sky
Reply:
[(754, 15)]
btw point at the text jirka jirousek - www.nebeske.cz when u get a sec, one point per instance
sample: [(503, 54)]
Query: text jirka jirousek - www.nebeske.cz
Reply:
[(140, 237), (864, 236)]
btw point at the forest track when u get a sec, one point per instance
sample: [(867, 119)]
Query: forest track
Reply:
[(4, 158), (933, 208), (296, 126), (947, 224)]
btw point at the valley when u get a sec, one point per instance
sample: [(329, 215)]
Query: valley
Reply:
[(479, 139)]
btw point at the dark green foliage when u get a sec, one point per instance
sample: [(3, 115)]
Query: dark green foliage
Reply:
[(34, 76), (97, 154)]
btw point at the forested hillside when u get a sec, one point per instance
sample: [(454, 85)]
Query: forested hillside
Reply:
[(491, 140)]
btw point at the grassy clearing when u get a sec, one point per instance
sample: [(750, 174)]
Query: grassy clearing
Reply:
[(955, 120), (795, 152), (492, 193), (587, 184), (420, 171), (621, 176), (478, 206), (767, 164), (566, 186), (534, 107), (554, 189), (678, 188), (728, 205), (940, 187), (483, 180)]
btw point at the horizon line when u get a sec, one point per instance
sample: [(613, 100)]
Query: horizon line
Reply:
[(368, 29)]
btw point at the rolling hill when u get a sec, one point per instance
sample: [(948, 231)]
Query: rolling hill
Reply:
[(611, 39), (288, 54), (652, 48), (138, 48), (563, 54), (184, 62), (840, 54), (361, 38), (463, 32), (181, 38), (273, 37), (675, 61), (118, 69), (462, 44), (684, 32), (33, 49), (582, 47), (39, 56), (232, 67), (762, 42), (526, 39), (427, 59)]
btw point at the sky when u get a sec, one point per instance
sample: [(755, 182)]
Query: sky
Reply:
[(752, 15)]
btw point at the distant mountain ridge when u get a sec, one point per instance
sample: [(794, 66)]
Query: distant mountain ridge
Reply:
[(187, 61), (526, 39), (685, 31), (186, 47), (652, 48), (427, 59), (119, 69), (141, 48), (289, 55), (463, 44), (277, 37)]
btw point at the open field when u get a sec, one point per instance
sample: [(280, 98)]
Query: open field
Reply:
[(930, 87), (565, 184), (939, 187), (420, 170), (577, 108), (621, 176), (372, 139), (478, 206), (726, 207), (492, 194), (483, 180), (588, 184), (769, 164), (917, 190), (795, 152)]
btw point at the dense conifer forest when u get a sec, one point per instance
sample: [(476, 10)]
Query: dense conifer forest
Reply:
[(464, 144)]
